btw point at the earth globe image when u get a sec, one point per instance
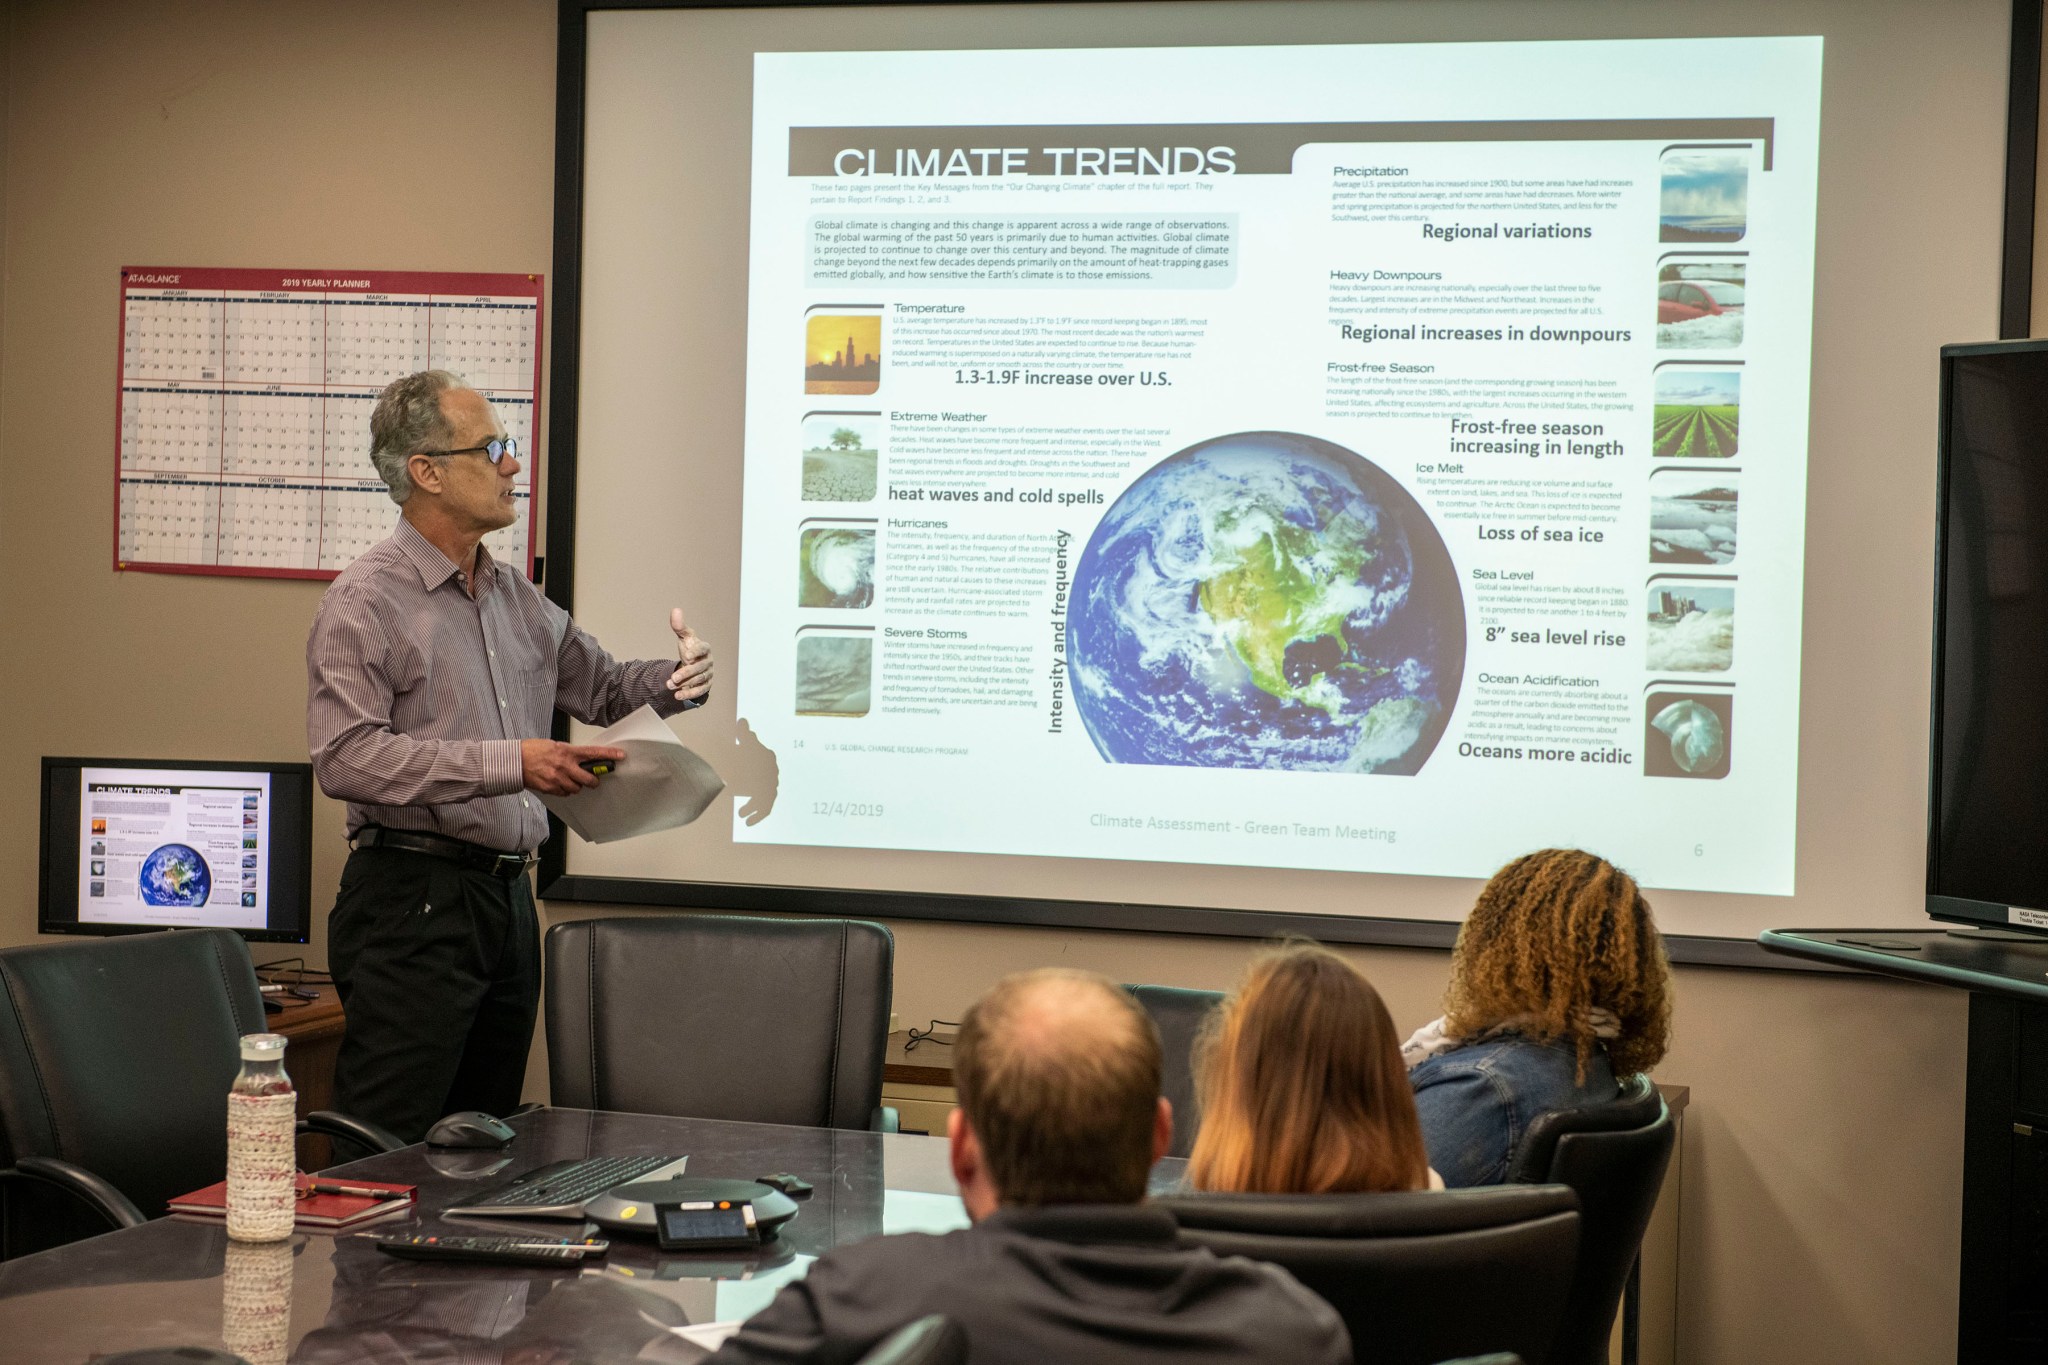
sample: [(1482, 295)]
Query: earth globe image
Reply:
[(175, 875), (1266, 600)]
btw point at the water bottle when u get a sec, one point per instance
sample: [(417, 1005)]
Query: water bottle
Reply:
[(262, 1157)]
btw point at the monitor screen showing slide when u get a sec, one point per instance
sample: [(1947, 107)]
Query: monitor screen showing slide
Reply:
[(129, 846), (1296, 466)]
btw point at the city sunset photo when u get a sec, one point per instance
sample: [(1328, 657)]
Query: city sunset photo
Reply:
[(843, 353)]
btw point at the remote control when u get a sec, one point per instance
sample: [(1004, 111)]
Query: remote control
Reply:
[(505, 1250)]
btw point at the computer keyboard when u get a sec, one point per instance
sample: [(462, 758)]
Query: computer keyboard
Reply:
[(561, 1188)]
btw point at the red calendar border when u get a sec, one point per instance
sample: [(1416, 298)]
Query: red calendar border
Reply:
[(322, 282)]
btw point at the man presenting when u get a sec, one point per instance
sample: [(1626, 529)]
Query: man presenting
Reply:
[(1059, 1123), (433, 675)]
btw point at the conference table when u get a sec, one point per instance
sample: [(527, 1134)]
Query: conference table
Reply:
[(325, 1298)]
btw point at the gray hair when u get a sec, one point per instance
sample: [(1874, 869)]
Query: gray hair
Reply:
[(407, 419)]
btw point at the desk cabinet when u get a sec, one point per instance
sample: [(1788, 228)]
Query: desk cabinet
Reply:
[(312, 1031), (918, 1080), (1657, 1309), (2001, 1314), (2004, 1315)]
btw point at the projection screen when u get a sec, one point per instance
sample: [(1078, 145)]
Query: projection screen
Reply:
[(1247, 467)]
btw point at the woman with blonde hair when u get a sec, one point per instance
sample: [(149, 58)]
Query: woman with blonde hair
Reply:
[(1301, 1085), (1559, 985)]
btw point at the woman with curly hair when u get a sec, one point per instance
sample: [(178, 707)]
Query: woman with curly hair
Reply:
[(1558, 985), (1301, 1085)]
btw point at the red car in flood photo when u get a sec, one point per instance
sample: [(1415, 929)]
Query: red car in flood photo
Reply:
[(1684, 300)]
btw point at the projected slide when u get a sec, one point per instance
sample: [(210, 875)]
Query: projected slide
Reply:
[(1358, 458), (173, 847)]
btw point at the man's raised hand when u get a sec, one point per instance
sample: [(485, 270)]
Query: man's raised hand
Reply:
[(692, 679), (555, 769)]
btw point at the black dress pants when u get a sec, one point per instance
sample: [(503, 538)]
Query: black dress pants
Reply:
[(438, 969)]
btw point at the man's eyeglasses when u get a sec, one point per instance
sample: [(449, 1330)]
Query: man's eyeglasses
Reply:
[(496, 450)]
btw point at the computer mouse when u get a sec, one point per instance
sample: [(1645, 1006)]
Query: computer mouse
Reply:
[(469, 1128)]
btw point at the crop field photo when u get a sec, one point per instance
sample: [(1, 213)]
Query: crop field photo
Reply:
[(1698, 413)]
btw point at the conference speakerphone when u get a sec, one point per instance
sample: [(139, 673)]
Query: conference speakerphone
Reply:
[(694, 1215)]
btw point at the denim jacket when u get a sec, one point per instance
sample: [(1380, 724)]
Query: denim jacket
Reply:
[(1477, 1101)]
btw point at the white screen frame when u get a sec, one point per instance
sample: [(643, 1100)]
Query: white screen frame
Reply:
[(1432, 905)]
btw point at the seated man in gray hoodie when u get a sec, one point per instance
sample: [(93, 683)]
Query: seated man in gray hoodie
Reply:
[(1060, 1120)]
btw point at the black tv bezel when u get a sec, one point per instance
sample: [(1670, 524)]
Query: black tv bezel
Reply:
[(556, 882), (283, 876), (1945, 908)]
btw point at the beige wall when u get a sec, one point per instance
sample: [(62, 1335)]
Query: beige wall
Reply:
[(6, 66), (1822, 1180)]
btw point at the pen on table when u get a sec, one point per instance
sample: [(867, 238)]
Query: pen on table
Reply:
[(361, 1191)]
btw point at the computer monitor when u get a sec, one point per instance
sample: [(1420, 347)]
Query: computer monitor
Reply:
[(131, 845), (1988, 807)]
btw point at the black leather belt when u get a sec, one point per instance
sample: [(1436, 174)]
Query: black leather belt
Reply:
[(476, 857)]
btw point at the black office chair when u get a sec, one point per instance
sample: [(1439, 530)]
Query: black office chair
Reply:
[(1417, 1277), (722, 1017), (1178, 1013), (116, 1056), (1614, 1155), (934, 1340)]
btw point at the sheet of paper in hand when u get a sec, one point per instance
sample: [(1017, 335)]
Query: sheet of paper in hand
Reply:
[(658, 785)]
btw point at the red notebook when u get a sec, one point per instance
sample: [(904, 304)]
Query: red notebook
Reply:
[(314, 1210)]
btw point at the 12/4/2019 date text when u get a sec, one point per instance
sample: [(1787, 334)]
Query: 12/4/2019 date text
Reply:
[(847, 808)]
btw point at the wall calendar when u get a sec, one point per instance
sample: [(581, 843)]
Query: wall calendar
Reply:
[(243, 435)]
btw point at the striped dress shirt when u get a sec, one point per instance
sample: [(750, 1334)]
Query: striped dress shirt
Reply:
[(419, 695)]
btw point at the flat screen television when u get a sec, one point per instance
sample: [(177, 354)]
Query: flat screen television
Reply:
[(1987, 842), (131, 845)]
